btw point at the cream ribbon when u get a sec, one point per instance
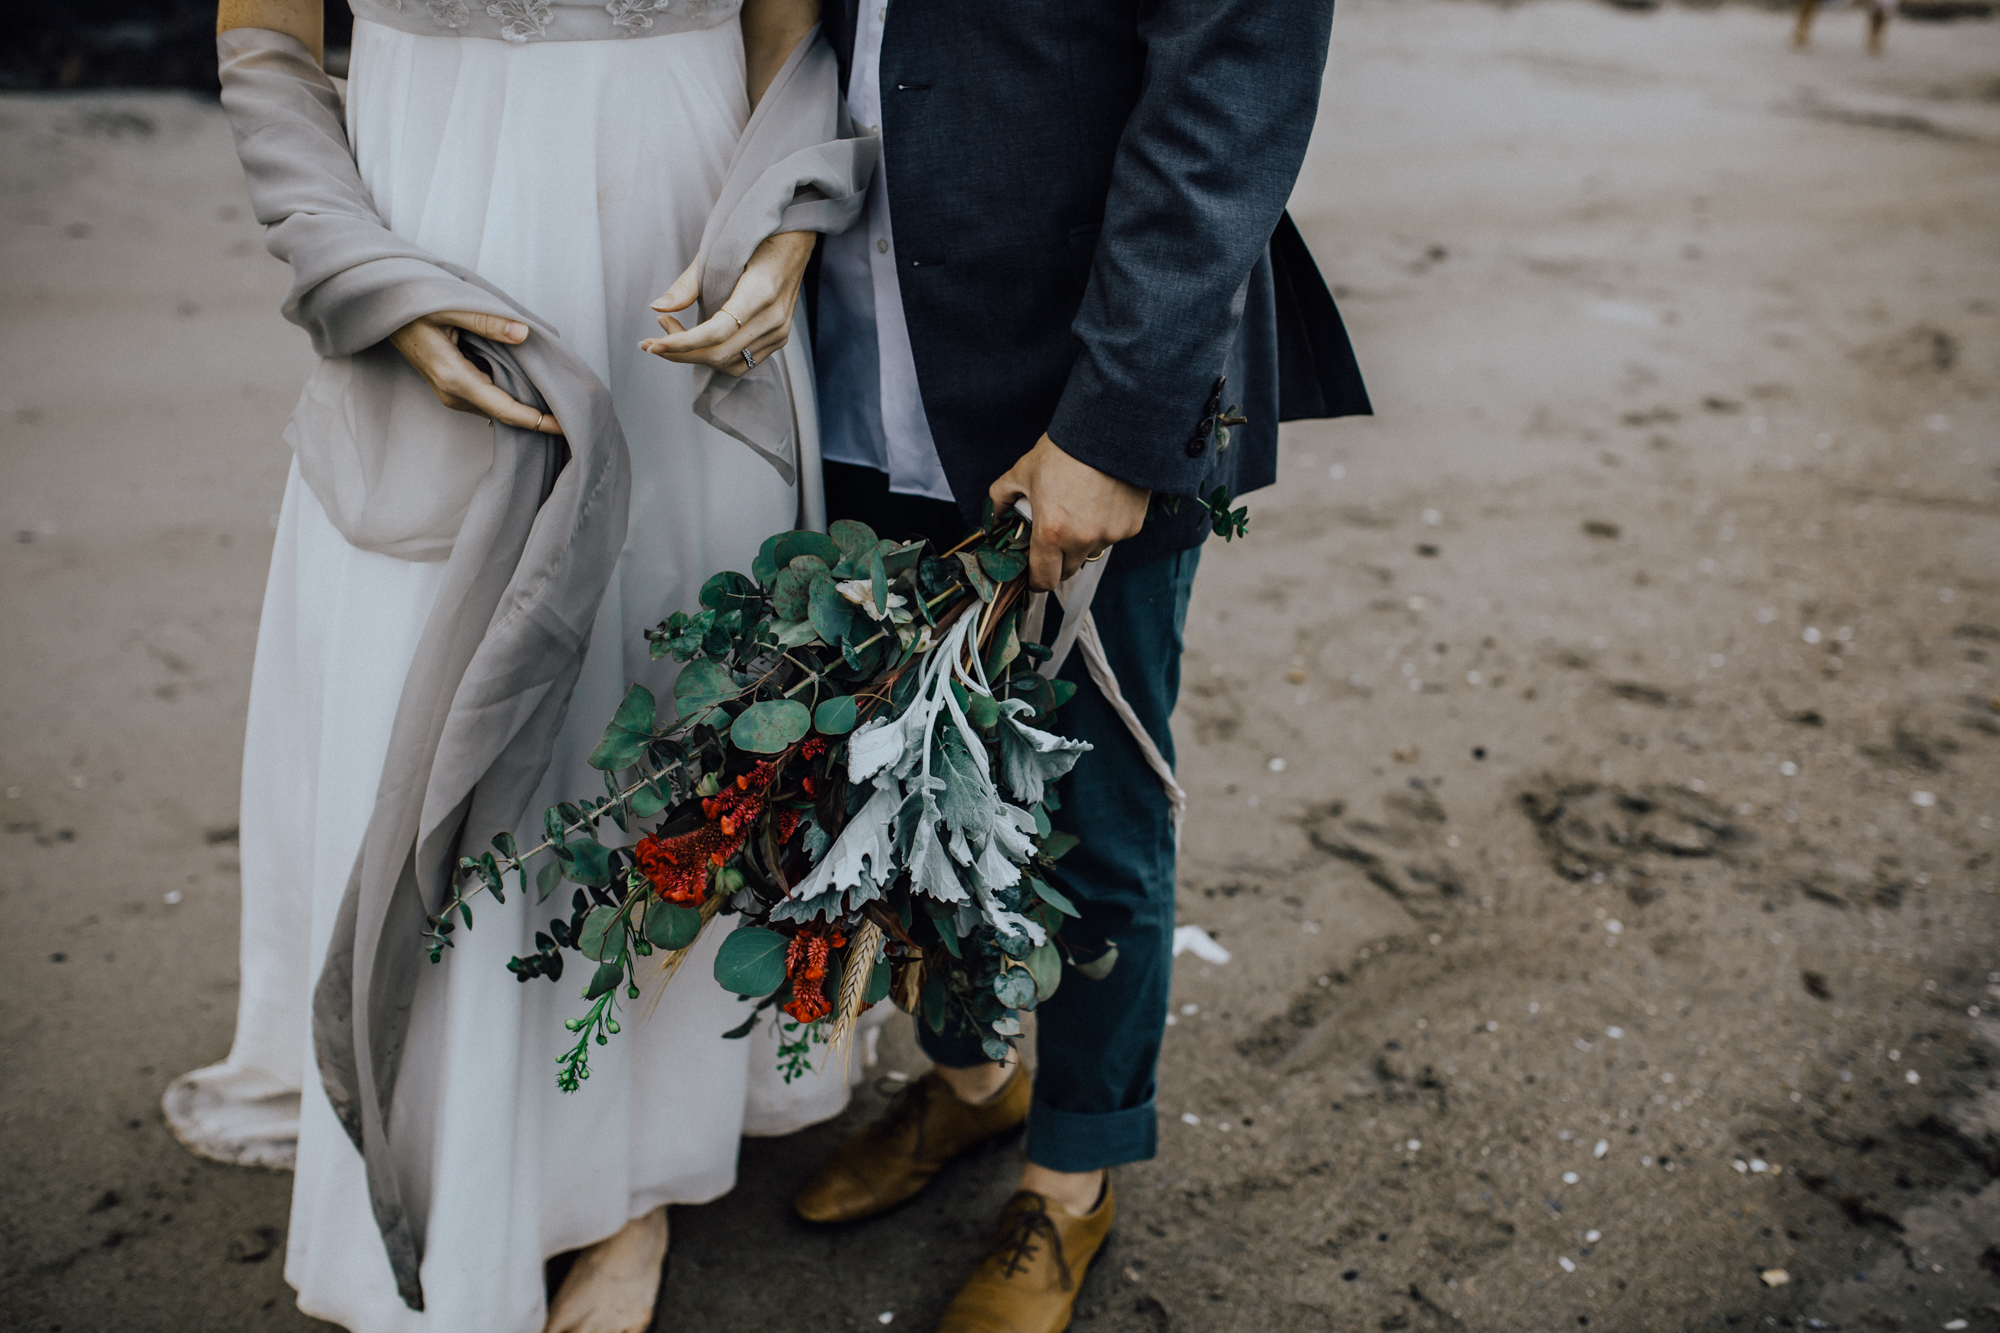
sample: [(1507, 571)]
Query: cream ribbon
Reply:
[(1079, 630)]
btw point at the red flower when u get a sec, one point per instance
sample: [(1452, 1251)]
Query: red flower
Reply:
[(805, 965), (678, 866)]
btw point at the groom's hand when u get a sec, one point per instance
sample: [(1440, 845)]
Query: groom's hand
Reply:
[(1079, 511), (756, 318)]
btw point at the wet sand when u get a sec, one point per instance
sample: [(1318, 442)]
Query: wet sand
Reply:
[(1592, 756)]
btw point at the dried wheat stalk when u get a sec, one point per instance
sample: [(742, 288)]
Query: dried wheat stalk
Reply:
[(854, 984)]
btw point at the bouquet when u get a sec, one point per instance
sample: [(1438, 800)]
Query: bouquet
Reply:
[(858, 767)]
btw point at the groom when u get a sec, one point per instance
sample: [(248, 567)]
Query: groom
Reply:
[(1074, 260)]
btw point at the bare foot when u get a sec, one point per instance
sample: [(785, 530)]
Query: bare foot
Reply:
[(613, 1284)]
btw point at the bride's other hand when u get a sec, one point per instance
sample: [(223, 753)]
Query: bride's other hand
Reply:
[(756, 318), (430, 345)]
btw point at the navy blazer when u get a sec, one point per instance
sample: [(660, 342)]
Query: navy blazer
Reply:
[(1088, 201)]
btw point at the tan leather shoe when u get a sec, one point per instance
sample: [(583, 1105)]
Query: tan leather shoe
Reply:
[(1028, 1281), (900, 1153)]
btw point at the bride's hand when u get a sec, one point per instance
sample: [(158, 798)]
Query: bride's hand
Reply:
[(756, 318), (430, 345)]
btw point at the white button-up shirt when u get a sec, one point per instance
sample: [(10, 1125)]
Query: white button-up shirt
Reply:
[(871, 413)]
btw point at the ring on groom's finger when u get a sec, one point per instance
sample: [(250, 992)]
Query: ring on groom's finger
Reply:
[(1091, 559), (749, 361)]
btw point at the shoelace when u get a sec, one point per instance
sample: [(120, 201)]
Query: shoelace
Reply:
[(1026, 1218)]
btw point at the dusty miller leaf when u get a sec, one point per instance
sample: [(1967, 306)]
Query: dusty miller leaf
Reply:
[(861, 861), (1031, 758)]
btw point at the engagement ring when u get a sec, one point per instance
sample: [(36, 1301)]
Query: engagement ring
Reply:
[(749, 361)]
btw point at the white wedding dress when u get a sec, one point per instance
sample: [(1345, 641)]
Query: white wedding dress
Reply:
[(577, 176)]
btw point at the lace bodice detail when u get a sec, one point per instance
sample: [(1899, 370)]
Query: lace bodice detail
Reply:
[(523, 21)]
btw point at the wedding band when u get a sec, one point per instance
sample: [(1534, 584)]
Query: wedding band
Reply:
[(1091, 559), (749, 361), (538, 419), (732, 314)]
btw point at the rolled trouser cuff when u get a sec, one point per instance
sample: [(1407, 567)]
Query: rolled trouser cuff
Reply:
[(1089, 1141)]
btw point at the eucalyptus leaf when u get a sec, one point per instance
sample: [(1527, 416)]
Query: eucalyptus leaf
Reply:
[(607, 976), (751, 961), (1002, 566), (864, 662), (701, 685), (898, 559), (984, 585), (832, 615), (631, 729), (770, 726), (670, 925), (1005, 648), (791, 636), (588, 863), (648, 801), (1053, 897), (546, 880), (789, 594), (854, 539), (1036, 691), (1045, 965), (602, 939), (1098, 968), (729, 591), (795, 544), (878, 575), (835, 716), (982, 711), (765, 567), (878, 983), (1058, 843)]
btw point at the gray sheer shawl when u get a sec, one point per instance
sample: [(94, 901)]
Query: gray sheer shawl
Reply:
[(527, 565)]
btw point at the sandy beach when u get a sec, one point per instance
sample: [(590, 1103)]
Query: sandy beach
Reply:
[(1592, 757)]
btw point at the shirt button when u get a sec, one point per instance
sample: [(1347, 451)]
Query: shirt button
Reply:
[(882, 247), (1197, 447), (882, 15)]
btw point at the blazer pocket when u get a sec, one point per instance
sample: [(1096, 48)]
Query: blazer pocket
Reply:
[(1082, 251)]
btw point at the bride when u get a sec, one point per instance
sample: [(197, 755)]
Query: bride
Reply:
[(568, 152)]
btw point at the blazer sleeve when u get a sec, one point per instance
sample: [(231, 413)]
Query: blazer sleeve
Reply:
[(1201, 176)]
